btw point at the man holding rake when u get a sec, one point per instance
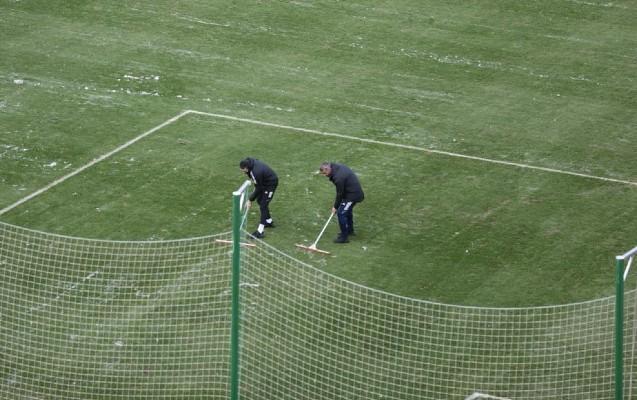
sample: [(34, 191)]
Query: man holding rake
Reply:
[(265, 182), (348, 193)]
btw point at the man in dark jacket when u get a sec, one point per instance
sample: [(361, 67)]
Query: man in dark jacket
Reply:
[(265, 182), (348, 193)]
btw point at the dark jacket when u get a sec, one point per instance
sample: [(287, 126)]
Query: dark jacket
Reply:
[(348, 188), (263, 177)]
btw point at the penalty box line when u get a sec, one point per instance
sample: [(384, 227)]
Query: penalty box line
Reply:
[(91, 163), (410, 147), (303, 130)]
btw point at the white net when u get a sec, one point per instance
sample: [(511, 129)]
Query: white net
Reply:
[(310, 335), (87, 319)]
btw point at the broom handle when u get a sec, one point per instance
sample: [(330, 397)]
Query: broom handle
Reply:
[(323, 230)]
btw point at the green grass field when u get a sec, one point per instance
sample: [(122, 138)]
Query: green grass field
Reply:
[(546, 83), (495, 141)]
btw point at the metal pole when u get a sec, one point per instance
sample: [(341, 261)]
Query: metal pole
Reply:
[(236, 276), (619, 328)]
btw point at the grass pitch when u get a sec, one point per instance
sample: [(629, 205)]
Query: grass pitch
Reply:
[(548, 84)]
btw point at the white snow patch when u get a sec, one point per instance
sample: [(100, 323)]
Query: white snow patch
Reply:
[(134, 93), (131, 77), (483, 396), (590, 3), (200, 21)]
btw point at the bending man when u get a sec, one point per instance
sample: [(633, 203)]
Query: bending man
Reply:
[(348, 193), (265, 182)]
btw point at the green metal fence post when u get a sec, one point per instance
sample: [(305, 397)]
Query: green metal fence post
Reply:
[(619, 327), (236, 276)]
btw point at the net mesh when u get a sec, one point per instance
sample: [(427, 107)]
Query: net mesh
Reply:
[(310, 335), (88, 319)]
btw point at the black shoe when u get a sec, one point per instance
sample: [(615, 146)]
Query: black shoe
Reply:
[(256, 235), (341, 239), (269, 224), (351, 233)]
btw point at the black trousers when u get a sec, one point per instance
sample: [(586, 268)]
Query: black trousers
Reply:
[(264, 205), (345, 216)]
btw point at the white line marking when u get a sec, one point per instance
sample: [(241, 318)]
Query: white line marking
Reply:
[(90, 164), (410, 147), (304, 130)]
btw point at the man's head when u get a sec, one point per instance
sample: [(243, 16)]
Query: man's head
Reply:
[(325, 169), (245, 165)]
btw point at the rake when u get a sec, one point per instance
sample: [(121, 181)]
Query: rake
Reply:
[(312, 247)]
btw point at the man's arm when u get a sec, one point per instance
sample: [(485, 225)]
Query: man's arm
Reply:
[(340, 191), (257, 177), (257, 192)]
